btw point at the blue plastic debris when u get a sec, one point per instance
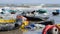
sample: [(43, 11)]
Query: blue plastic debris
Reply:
[(58, 11), (28, 27), (32, 25)]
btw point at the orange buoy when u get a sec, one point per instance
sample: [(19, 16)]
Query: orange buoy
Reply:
[(48, 27)]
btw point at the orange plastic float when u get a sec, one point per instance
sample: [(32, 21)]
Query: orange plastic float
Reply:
[(48, 27)]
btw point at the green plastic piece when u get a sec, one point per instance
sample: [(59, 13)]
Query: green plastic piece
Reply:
[(42, 11)]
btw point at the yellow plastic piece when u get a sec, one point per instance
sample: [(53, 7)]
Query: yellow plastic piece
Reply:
[(22, 26), (7, 21), (25, 23)]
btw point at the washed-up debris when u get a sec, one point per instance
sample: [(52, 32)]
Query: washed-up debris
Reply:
[(37, 15), (42, 11), (51, 29), (56, 13)]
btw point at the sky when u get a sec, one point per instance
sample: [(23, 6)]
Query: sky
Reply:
[(29, 1)]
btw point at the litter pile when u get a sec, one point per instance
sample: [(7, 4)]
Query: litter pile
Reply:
[(28, 21)]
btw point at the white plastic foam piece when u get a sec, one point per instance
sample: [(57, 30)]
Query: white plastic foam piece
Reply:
[(0, 10)]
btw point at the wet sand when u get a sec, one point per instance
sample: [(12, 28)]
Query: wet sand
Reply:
[(12, 32)]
